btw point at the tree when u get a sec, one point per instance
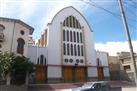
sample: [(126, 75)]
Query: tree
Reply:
[(14, 67), (20, 69), (6, 65)]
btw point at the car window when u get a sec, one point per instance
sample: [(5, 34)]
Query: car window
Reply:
[(97, 85), (87, 85)]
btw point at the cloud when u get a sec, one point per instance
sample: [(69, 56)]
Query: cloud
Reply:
[(113, 47)]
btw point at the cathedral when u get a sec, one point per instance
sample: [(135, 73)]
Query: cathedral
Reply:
[(65, 52)]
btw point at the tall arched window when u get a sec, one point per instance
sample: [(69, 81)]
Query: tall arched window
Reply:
[(41, 59), (78, 50), (67, 49), (74, 22), (64, 35), (75, 50), (74, 34), (45, 61), (67, 35), (77, 37), (71, 21), (38, 61), (20, 46), (67, 22), (81, 50), (81, 38), (64, 45), (71, 36), (71, 50), (99, 62)]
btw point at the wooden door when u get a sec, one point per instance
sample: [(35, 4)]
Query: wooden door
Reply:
[(80, 74), (100, 73), (41, 74), (68, 74)]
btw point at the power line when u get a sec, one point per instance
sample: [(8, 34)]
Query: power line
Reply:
[(133, 13), (96, 5), (133, 1), (118, 16)]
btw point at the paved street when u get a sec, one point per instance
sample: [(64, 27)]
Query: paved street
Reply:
[(123, 89), (129, 89)]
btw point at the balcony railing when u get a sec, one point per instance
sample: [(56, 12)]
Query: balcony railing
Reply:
[(1, 37)]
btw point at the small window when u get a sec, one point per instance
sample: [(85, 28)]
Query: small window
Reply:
[(0, 46), (22, 32), (81, 61), (77, 61), (66, 60), (2, 27), (71, 60)]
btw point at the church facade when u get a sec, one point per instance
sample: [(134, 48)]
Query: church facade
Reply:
[(66, 53)]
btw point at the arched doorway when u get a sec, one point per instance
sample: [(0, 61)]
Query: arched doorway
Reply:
[(100, 70), (41, 70)]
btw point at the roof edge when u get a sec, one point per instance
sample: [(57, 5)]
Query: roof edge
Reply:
[(75, 10), (20, 22)]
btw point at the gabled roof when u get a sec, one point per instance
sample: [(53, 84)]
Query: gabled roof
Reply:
[(20, 22), (76, 11)]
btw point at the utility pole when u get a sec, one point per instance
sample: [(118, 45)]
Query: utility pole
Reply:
[(129, 40)]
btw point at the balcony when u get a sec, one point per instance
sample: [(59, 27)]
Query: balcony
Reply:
[(1, 37)]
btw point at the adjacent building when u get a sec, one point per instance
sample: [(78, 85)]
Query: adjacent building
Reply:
[(126, 63), (14, 36)]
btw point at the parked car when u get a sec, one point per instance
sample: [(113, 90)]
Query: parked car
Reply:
[(94, 86)]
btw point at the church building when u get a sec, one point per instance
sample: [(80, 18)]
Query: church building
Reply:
[(65, 52)]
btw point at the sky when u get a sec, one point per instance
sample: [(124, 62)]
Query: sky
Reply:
[(108, 29)]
